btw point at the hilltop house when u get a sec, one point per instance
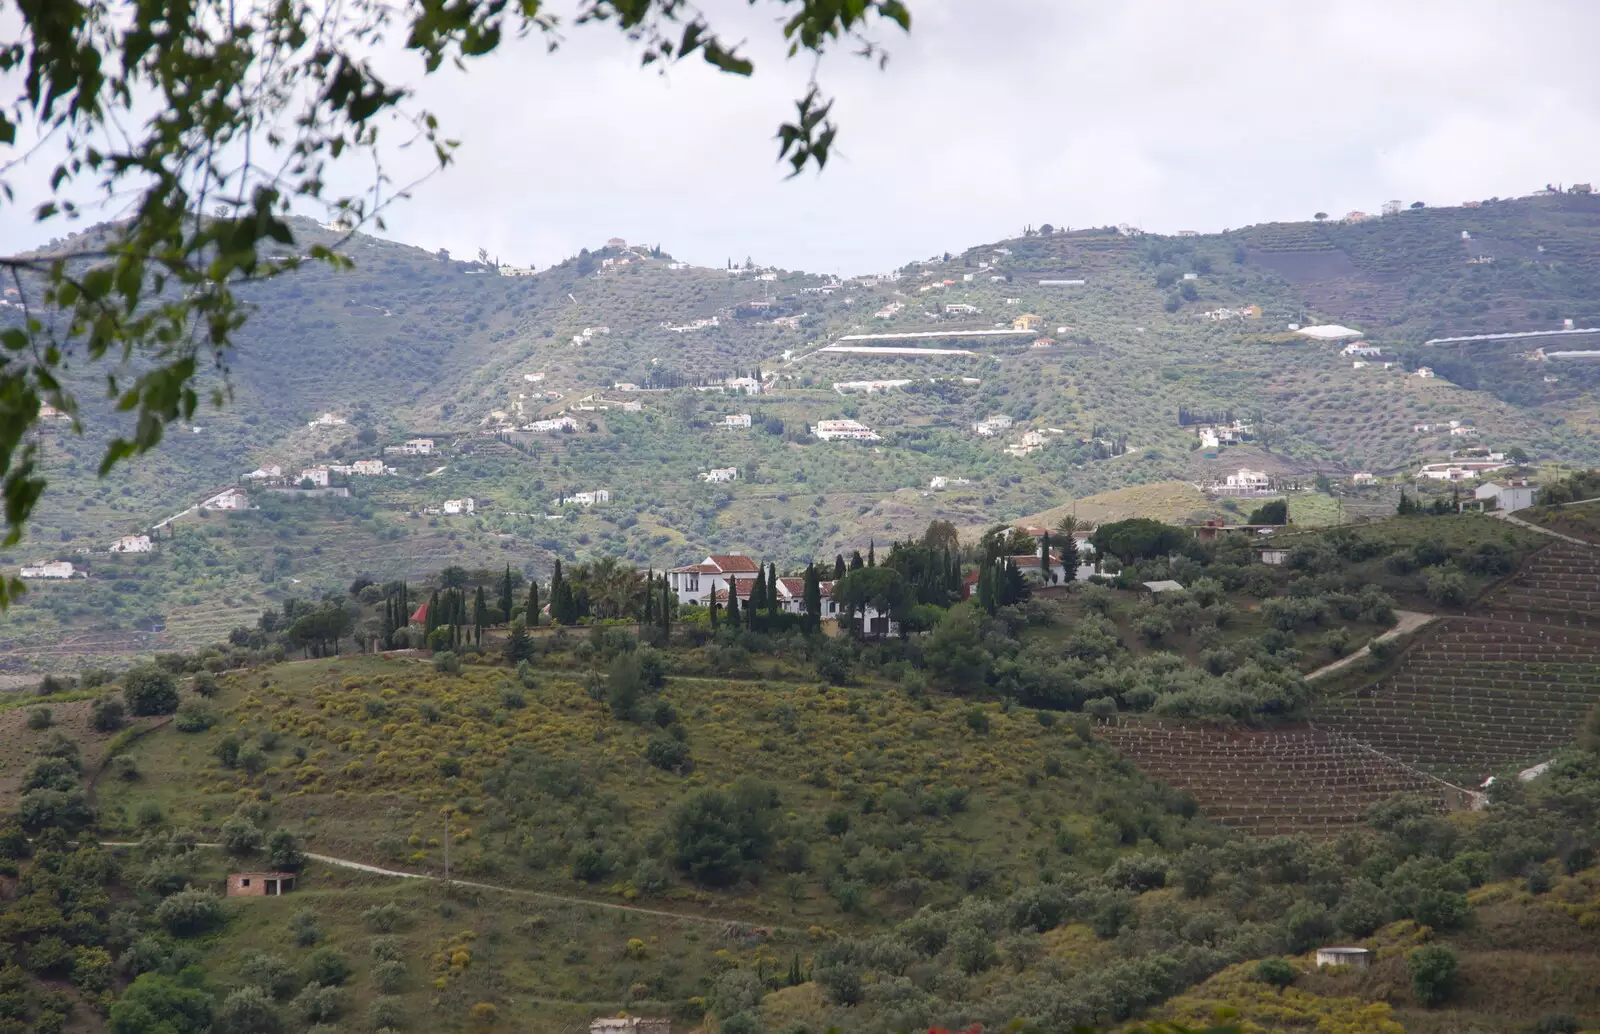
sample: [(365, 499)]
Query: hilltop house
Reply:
[(1031, 441), (961, 309), (1249, 480), (1463, 432), (847, 430), (599, 495), (1360, 348), (367, 468), (318, 476), (560, 423), (459, 506), (989, 425), (413, 447), (692, 583), (1506, 495), (132, 544), (719, 475), (47, 569), (1425, 372), (266, 473), (1459, 470), (736, 420), (328, 420), (1363, 477), (227, 499), (1026, 321)]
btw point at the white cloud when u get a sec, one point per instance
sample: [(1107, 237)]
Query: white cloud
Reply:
[(991, 115)]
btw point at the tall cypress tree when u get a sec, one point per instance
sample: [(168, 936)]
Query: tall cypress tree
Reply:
[(556, 581), (530, 614), (430, 619), (1044, 557), (872, 553), (773, 604), (713, 614), (838, 566), (733, 604), (505, 596), (813, 599), (758, 597), (480, 614), (666, 609)]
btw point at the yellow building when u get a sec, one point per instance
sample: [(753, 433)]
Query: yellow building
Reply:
[(1027, 321)]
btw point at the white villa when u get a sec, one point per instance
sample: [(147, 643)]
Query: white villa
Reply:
[(1031, 441), (1363, 478), (318, 476), (560, 423), (265, 473), (694, 583), (1425, 372), (736, 420), (1360, 348), (1507, 495), (328, 420), (1253, 480), (599, 495), (989, 425), (48, 569), (227, 499), (459, 506), (417, 447), (719, 475), (850, 430), (367, 468), (132, 544)]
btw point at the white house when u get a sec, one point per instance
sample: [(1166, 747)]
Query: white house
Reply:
[(1255, 480), (367, 468), (227, 499), (736, 420), (458, 506), (1463, 432), (328, 420), (266, 473), (1355, 958), (850, 430), (938, 484), (48, 569), (1459, 470), (1363, 478), (599, 495), (132, 544), (962, 309), (560, 423), (694, 583), (1275, 557), (1421, 428), (748, 385), (417, 447), (989, 425), (1507, 495), (719, 475), (1360, 348), (1031, 441), (318, 476), (1360, 364), (1425, 372)]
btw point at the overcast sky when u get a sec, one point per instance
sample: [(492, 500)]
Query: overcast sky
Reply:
[(993, 114)]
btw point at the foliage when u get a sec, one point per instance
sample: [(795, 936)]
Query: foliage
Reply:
[(717, 834), (1433, 970), (149, 690)]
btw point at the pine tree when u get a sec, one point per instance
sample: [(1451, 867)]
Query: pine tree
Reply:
[(1069, 558)]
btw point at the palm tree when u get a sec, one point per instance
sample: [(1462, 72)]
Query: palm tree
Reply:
[(613, 588), (1071, 524)]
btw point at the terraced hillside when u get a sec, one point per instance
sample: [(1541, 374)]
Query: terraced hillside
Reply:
[(1476, 696), (1561, 585), (1269, 782)]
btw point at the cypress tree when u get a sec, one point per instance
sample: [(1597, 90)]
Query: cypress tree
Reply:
[(666, 609), (505, 596), (872, 553), (556, 581), (1044, 557), (530, 616), (856, 563), (480, 614), (713, 614), (647, 613), (813, 599), (838, 566), (773, 603), (758, 596), (431, 618), (733, 604)]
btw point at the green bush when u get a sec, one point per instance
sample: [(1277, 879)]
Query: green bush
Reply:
[(241, 837), (328, 967), (204, 684), (270, 973), (669, 753), (1433, 971), (318, 1004), (387, 1013), (1276, 972), (149, 690), (446, 661), (108, 714), (389, 976), (190, 913), (249, 1010), (193, 717), (40, 718)]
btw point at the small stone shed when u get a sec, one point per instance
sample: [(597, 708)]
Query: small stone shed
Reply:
[(260, 884)]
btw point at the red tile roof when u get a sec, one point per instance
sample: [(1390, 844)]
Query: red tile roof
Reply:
[(795, 587), (733, 563)]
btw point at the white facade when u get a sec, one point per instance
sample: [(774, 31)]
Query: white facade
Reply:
[(459, 506), (1249, 479), (1360, 348), (560, 423), (1363, 478), (417, 447), (736, 420), (132, 544), (693, 584), (1507, 495), (367, 468), (989, 425), (849, 430), (227, 499), (1425, 372), (962, 309), (328, 420), (266, 473), (599, 495), (48, 569), (318, 476), (719, 475)]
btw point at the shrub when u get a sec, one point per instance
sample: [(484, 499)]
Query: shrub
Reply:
[(1307, 925), (283, 851), (978, 720), (716, 834), (240, 836), (389, 976), (318, 1004), (668, 752), (270, 973), (306, 929), (328, 967), (249, 1010), (512, 699), (63, 809), (40, 719), (1557, 1023), (251, 759), (1433, 971), (148, 814), (108, 714), (190, 913), (387, 1012), (149, 690), (204, 684), (447, 662), (1275, 972), (193, 717), (1446, 587), (383, 918)]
